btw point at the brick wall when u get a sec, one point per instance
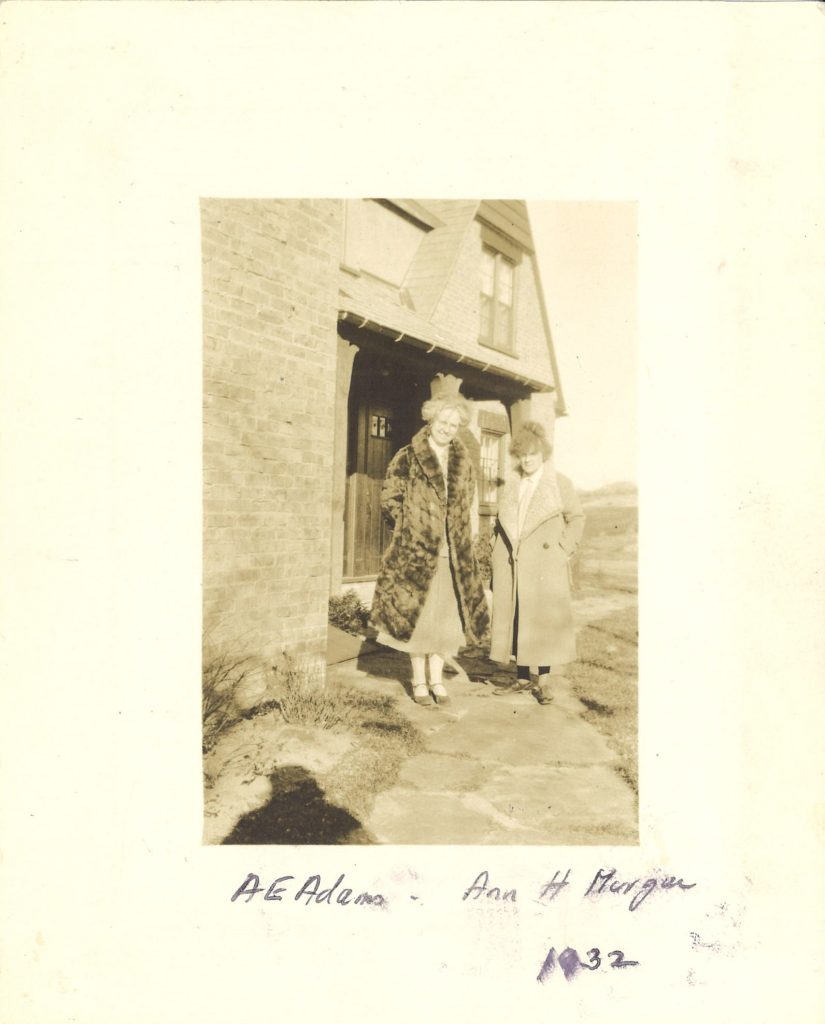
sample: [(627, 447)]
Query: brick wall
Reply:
[(270, 307)]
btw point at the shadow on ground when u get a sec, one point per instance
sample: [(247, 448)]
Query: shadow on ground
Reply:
[(472, 663), (297, 813), (386, 660)]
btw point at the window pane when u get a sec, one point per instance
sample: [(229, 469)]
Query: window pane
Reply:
[(505, 281), (489, 467), (504, 325), (488, 272), (485, 329)]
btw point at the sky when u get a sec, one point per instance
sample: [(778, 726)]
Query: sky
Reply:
[(587, 256)]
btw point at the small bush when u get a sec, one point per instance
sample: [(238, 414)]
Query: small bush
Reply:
[(348, 612), (304, 698), (221, 677)]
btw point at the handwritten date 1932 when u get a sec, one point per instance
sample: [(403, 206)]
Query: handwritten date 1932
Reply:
[(571, 963)]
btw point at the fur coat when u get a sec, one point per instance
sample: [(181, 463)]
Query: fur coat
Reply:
[(414, 503), (530, 566)]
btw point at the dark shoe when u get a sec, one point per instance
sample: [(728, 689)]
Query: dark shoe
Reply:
[(440, 695), (516, 686), (421, 696)]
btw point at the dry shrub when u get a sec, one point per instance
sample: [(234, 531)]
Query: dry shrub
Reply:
[(222, 675), (305, 699)]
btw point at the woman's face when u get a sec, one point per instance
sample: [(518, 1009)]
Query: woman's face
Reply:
[(445, 426), (530, 461)]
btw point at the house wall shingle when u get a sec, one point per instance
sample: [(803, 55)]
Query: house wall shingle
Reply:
[(270, 282)]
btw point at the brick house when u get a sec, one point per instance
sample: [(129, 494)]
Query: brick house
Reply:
[(324, 323)]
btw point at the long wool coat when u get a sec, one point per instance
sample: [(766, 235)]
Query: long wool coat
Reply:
[(533, 567), (414, 502)]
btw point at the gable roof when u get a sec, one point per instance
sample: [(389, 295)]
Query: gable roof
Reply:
[(509, 217), (438, 252), (409, 309)]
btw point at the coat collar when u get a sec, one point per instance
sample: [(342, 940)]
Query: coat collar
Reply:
[(420, 445), (543, 505)]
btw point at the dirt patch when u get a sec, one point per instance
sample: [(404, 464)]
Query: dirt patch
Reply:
[(270, 782)]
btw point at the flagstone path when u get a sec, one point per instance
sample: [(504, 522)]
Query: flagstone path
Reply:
[(498, 769)]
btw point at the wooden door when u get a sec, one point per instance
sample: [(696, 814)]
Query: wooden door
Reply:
[(367, 533)]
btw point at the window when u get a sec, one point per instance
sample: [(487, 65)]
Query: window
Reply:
[(496, 309), (491, 459), (381, 239)]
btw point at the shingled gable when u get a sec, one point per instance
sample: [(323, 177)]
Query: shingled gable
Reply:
[(431, 305), (438, 252)]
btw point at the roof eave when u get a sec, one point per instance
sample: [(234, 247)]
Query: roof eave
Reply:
[(561, 405), (363, 320)]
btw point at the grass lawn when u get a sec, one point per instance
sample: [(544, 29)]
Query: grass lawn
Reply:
[(385, 739), (605, 679), (608, 521)]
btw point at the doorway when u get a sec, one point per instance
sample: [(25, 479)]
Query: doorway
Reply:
[(384, 413)]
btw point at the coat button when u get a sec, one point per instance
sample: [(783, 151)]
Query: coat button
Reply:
[(546, 544)]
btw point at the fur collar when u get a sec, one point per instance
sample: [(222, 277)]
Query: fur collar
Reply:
[(457, 463), (543, 506)]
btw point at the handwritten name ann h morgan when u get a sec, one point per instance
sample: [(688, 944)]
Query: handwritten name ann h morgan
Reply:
[(605, 883), (312, 891)]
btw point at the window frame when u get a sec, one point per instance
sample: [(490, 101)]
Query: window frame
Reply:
[(489, 508), (495, 340)]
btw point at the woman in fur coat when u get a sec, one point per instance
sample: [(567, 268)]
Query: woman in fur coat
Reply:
[(429, 597), (539, 527)]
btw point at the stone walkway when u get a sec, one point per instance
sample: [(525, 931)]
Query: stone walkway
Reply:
[(497, 769)]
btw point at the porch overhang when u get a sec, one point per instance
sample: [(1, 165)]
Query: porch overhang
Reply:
[(426, 341)]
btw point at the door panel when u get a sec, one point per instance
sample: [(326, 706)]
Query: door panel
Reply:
[(375, 447), (384, 412)]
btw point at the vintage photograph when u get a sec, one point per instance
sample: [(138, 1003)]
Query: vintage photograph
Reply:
[(420, 518), (415, 603)]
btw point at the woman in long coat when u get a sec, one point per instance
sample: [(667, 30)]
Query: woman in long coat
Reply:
[(429, 596), (539, 527)]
